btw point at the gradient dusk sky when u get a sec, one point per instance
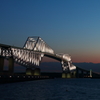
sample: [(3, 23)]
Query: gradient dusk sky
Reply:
[(67, 26)]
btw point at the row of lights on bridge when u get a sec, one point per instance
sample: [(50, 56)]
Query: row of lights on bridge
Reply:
[(28, 76)]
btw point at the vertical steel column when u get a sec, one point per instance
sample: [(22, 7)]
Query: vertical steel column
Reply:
[(1, 64), (11, 65)]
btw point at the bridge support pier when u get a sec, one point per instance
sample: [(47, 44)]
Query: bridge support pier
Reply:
[(29, 71), (69, 75), (11, 65), (37, 71), (1, 64), (66, 75), (73, 74)]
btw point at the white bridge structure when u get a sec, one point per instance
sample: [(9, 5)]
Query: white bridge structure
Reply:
[(31, 54)]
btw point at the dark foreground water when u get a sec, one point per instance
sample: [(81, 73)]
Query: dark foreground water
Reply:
[(52, 89)]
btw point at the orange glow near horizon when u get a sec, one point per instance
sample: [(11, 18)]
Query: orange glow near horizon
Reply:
[(87, 59)]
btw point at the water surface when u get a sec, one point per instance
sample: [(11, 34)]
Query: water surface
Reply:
[(52, 89)]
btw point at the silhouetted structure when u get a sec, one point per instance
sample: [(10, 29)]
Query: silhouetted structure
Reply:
[(30, 56)]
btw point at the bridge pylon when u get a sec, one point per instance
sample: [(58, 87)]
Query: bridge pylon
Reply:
[(30, 71), (10, 70), (1, 64), (69, 74), (11, 65), (66, 75), (37, 71)]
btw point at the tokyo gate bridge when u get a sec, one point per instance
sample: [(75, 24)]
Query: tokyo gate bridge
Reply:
[(31, 54)]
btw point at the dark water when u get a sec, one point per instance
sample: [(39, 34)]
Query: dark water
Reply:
[(52, 89)]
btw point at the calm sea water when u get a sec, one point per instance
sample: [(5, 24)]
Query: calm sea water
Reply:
[(52, 89)]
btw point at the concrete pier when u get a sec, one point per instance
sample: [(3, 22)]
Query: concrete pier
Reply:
[(73, 74), (28, 71), (66, 75), (37, 71), (11, 65), (1, 64)]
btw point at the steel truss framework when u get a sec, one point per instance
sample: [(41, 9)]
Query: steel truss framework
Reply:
[(33, 52)]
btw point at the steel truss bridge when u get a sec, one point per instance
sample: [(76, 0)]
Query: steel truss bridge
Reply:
[(32, 53)]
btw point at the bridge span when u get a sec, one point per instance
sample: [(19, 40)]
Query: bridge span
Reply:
[(30, 56)]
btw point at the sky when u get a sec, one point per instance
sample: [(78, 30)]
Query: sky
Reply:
[(67, 26)]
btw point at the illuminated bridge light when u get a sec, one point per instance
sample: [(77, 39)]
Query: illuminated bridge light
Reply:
[(28, 76), (10, 76), (72, 67)]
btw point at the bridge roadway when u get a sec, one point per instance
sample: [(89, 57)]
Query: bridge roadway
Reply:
[(54, 56)]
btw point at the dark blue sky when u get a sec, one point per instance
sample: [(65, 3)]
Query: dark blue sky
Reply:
[(68, 26)]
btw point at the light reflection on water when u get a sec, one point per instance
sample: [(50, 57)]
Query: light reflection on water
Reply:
[(52, 89)]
